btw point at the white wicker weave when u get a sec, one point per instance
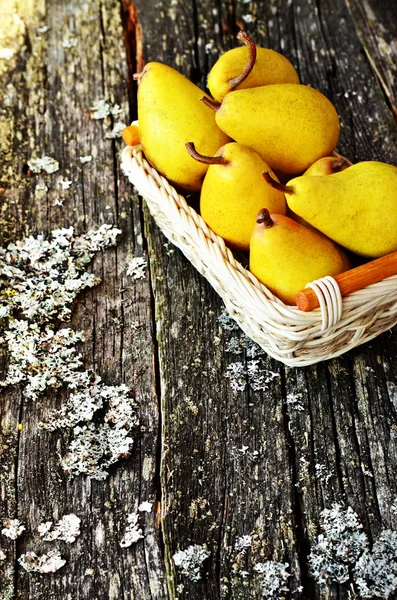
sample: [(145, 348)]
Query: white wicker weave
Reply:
[(284, 332)]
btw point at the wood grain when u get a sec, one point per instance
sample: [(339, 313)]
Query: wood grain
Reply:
[(373, 21), (53, 87), (231, 442)]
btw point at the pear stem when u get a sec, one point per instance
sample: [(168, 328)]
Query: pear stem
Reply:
[(345, 160), (207, 160), (337, 164), (210, 102), (137, 76), (249, 42), (264, 218), (286, 189)]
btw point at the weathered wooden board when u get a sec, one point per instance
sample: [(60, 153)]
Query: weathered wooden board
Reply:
[(231, 442), (375, 22), (46, 94), (317, 424)]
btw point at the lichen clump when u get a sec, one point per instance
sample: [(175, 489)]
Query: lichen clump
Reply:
[(342, 554), (39, 281), (273, 578), (67, 529), (190, 561), (46, 563), (133, 533)]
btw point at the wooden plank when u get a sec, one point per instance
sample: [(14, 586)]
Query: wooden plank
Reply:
[(312, 425), (375, 22), (248, 447), (56, 76), (222, 449)]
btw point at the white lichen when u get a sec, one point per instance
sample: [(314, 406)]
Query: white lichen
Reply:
[(190, 561), (70, 43), (85, 159), (227, 322), (234, 345), (116, 131), (65, 183), (236, 373), (254, 372), (39, 281), (45, 163), (67, 529), (322, 473), (339, 547), (3, 555), (375, 572), (41, 358), (136, 268), (13, 528), (133, 533), (273, 578), (96, 446), (342, 555), (46, 563), (40, 278), (145, 507), (243, 543), (81, 407), (258, 377), (294, 400), (6, 53), (101, 109)]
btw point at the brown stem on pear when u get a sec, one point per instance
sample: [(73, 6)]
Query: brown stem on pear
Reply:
[(138, 76), (207, 160), (337, 164), (264, 218), (286, 189), (210, 102), (249, 42), (346, 161)]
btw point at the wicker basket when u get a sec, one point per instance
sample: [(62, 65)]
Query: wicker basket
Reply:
[(294, 337)]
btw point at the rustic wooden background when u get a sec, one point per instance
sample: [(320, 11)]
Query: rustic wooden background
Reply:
[(216, 463)]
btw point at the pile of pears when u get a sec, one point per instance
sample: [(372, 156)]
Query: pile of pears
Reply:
[(261, 154)]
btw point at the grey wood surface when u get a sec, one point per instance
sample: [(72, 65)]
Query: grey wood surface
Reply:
[(217, 463)]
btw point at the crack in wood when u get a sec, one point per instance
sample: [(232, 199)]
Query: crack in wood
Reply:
[(132, 32)]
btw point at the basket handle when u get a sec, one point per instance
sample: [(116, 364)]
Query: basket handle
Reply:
[(352, 280)]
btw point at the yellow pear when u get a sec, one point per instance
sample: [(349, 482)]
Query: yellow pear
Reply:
[(285, 255), (323, 166), (233, 192), (248, 67), (327, 165), (169, 115), (357, 208), (288, 124)]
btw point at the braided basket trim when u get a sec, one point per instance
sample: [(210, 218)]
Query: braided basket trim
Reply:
[(284, 332)]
